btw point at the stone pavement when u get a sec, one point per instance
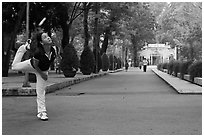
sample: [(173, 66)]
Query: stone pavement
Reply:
[(181, 86), (12, 85)]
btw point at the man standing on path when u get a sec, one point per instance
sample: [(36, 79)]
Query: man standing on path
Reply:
[(145, 64), (126, 66)]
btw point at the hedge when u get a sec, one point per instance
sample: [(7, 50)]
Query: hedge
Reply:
[(187, 67), (164, 65), (184, 68), (159, 66), (195, 70), (176, 66), (170, 67)]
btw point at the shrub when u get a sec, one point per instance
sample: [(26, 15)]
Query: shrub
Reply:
[(184, 68), (195, 70), (87, 61), (70, 59), (105, 62), (176, 66), (111, 59), (119, 63), (159, 66), (165, 65), (170, 67), (115, 62)]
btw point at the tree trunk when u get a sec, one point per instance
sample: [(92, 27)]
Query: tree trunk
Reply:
[(135, 57), (126, 52), (65, 39), (6, 52), (96, 35), (96, 38), (65, 26), (107, 35), (135, 45), (191, 51), (72, 40), (105, 41), (85, 22)]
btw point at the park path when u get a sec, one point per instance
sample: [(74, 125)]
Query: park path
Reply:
[(123, 103)]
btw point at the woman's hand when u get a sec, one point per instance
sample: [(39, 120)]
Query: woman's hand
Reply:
[(53, 35)]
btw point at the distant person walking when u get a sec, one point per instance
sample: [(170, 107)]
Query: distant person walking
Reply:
[(145, 63), (126, 66), (140, 64), (39, 64)]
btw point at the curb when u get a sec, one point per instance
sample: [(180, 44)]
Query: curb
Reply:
[(181, 89), (56, 86), (52, 87)]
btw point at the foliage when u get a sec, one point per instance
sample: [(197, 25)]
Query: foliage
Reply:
[(162, 66), (70, 59), (115, 60), (142, 24), (140, 27), (87, 61), (105, 62), (12, 14), (119, 63), (157, 8), (184, 68), (112, 13), (176, 66), (170, 67), (180, 24), (195, 70), (165, 65), (111, 60), (194, 44), (159, 66), (130, 23)]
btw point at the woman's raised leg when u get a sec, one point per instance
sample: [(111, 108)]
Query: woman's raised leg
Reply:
[(17, 64)]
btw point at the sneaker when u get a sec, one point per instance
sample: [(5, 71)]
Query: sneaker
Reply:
[(42, 116), (27, 47)]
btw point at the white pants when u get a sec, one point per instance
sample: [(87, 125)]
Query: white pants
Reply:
[(27, 67)]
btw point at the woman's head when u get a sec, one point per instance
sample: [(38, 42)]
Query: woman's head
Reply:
[(43, 38)]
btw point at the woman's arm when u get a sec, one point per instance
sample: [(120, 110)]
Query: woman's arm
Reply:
[(43, 75), (54, 40)]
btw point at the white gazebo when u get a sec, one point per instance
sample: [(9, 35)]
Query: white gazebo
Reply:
[(157, 53)]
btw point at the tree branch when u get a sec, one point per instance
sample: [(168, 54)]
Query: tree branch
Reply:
[(73, 15), (73, 11)]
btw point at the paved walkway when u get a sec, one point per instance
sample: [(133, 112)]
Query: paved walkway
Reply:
[(123, 103)]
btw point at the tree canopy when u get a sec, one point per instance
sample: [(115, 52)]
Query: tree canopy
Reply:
[(108, 24), (180, 25)]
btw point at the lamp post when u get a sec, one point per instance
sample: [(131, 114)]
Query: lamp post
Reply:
[(26, 79), (96, 38), (177, 49), (113, 33)]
